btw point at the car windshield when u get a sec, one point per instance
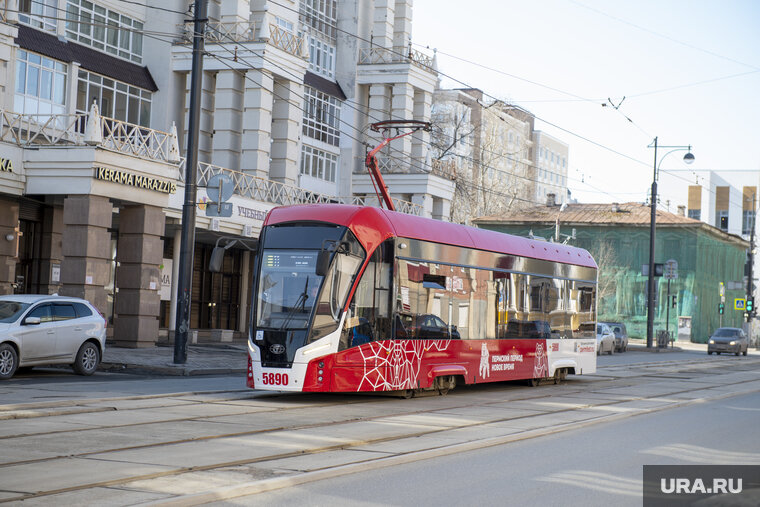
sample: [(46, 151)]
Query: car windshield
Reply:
[(10, 311), (726, 333)]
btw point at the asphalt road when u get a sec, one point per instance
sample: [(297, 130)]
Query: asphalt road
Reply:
[(595, 465)]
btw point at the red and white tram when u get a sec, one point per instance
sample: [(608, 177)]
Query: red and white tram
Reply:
[(362, 299)]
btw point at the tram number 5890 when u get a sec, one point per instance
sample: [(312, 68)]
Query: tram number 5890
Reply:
[(275, 379)]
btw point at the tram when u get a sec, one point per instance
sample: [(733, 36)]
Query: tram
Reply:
[(363, 299)]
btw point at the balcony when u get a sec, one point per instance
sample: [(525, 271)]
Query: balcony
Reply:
[(80, 129), (281, 194), (242, 32), (376, 55)]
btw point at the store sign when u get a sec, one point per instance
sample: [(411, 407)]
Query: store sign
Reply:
[(6, 165), (135, 180), (256, 214), (166, 280)]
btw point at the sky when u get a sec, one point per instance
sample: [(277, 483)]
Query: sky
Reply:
[(689, 71)]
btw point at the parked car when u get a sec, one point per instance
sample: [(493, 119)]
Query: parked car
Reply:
[(605, 339), (41, 330), (621, 335), (728, 339)]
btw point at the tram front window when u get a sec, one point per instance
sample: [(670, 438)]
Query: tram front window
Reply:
[(288, 288), (294, 304)]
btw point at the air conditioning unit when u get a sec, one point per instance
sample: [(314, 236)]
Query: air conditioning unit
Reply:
[(248, 230), (213, 224)]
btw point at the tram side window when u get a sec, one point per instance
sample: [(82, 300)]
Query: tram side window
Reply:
[(369, 312), (502, 302), (582, 309), (422, 301)]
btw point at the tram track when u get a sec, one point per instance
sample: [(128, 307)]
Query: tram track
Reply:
[(468, 401)]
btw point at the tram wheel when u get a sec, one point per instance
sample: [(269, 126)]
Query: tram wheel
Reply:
[(533, 382)]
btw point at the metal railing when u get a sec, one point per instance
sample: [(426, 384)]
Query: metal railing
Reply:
[(375, 55), (285, 40), (221, 32), (282, 194), (136, 140), (442, 169), (42, 129), (71, 129)]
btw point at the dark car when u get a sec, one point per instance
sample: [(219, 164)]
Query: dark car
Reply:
[(728, 339), (621, 335), (432, 327)]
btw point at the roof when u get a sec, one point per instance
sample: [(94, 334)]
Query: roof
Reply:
[(33, 298), (88, 58), (373, 225), (324, 85), (629, 213)]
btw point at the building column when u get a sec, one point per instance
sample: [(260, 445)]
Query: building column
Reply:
[(176, 249), (206, 123), (422, 104), (426, 201), (257, 123), (379, 110), (228, 119), (402, 108), (245, 275), (86, 248), (8, 248), (382, 23), (402, 25), (441, 209), (287, 115), (140, 252), (51, 252)]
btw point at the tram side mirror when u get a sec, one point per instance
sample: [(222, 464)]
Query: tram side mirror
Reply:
[(217, 257), (323, 262)]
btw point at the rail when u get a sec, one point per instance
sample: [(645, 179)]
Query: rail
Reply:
[(72, 129), (398, 54), (282, 194), (223, 33)]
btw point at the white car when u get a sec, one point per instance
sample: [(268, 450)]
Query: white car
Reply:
[(41, 330), (605, 339)]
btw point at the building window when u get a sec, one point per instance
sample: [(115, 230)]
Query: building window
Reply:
[(721, 220), (321, 116), (321, 18), (696, 214), (115, 99), (319, 163), (38, 14), (748, 222), (40, 84), (104, 29)]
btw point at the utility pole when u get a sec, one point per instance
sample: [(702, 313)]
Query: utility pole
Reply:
[(750, 292), (187, 245), (650, 284)]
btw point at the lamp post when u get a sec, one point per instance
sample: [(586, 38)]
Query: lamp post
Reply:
[(688, 158), (556, 224)]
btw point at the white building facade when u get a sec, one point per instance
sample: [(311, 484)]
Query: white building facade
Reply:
[(91, 198)]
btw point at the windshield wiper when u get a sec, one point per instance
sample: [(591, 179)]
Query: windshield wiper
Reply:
[(300, 302)]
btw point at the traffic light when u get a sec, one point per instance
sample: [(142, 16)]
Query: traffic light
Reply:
[(674, 301), (750, 305), (721, 306)]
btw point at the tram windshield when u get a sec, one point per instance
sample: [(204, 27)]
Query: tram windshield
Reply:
[(289, 288)]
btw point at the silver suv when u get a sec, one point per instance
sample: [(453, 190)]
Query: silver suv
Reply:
[(41, 330)]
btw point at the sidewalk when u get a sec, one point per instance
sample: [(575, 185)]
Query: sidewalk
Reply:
[(212, 359), (677, 346)]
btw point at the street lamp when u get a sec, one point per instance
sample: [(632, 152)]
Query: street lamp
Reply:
[(556, 224), (688, 158)]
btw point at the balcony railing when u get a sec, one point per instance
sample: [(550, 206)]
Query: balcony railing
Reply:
[(438, 168), (398, 54), (223, 33), (281, 194), (72, 129)]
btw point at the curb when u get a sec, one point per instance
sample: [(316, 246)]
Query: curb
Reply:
[(167, 370)]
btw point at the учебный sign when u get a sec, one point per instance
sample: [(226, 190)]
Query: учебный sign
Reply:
[(135, 180), (6, 165)]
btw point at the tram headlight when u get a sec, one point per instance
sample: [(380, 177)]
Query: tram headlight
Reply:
[(320, 372), (319, 379), (321, 364)]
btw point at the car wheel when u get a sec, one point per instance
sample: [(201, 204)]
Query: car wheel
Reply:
[(718, 353), (612, 349), (87, 359), (738, 351), (8, 361), (709, 352), (745, 351)]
